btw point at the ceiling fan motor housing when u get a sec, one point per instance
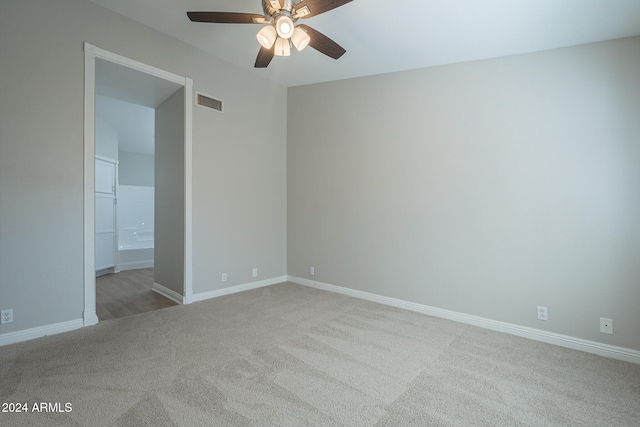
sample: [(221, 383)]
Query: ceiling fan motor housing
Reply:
[(272, 8)]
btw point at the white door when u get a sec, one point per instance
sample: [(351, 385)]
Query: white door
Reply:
[(105, 214)]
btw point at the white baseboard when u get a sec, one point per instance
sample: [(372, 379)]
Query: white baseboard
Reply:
[(135, 265), (238, 288), (606, 350), (90, 318), (188, 297), (136, 258), (105, 271), (40, 331), (169, 293)]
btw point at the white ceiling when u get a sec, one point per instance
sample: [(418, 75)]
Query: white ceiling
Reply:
[(133, 86), (383, 36)]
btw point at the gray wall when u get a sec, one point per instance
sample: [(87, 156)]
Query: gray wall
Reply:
[(239, 178), (136, 169), (169, 194), (106, 139), (486, 187)]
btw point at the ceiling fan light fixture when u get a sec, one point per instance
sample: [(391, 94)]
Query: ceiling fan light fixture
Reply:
[(300, 39), (282, 47), (267, 36), (284, 26), (280, 32)]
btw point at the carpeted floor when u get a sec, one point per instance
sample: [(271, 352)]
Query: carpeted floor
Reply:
[(291, 355)]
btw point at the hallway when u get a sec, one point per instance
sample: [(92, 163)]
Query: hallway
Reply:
[(127, 293)]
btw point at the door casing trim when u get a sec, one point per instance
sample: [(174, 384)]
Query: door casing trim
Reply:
[(91, 53)]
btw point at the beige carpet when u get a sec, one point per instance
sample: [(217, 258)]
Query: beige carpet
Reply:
[(290, 355)]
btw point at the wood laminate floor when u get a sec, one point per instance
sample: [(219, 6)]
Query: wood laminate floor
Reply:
[(127, 293)]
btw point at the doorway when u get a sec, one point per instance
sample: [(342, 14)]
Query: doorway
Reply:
[(117, 77)]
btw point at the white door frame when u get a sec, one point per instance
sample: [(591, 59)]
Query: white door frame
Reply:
[(92, 52)]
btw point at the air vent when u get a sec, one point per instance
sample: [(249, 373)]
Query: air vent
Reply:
[(208, 102)]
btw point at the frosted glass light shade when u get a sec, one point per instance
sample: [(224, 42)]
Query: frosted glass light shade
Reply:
[(267, 36), (282, 47), (300, 39), (284, 27)]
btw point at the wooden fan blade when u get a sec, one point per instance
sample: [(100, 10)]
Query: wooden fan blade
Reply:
[(316, 7), (264, 57), (322, 43), (224, 17)]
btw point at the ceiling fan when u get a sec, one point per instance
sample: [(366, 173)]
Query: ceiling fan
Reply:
[(281, 30)]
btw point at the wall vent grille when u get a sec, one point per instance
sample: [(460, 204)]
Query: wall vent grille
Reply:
[(207, 101)]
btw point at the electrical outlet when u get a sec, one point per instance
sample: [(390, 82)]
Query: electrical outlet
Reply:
[(255, 272), (542, 313), (606, 326), (312, 271), (6, 316), (224, 277)]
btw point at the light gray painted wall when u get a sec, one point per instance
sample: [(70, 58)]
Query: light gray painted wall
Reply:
[(239, 178), (136, 169), (486, 187), (106, 139), (169, 194)]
